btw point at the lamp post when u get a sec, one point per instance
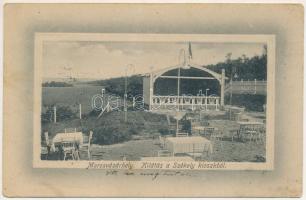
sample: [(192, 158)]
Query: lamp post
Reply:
[(151, 87), (231, 96), (125, 91), (200, 95), (206, 97)]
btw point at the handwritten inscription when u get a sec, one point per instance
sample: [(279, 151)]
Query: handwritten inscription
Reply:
[(153, 175)]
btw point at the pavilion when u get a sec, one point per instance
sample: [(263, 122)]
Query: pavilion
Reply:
[(188, 79)]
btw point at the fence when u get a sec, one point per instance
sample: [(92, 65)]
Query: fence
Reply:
[(247, 87)]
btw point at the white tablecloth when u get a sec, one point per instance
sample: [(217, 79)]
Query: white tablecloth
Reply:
[(250, 123), (188, 144), (68, 137), (199, 128), (204, 129)]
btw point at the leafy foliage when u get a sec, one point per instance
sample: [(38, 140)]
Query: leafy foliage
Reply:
[(62, 113), (111, 128), (245, 68)]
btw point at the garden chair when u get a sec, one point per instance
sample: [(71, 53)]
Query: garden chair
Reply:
[(249, 135), (123, 157), (171, 126), (234, 133), (258, 137), (87, 143), (199, 153), (161, 141), (217, 136), (68, 149), (262, 133), (163, 153), (208, 131), (204, 123), (45, 150)]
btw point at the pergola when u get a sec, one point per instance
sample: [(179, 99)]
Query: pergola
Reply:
[(179, 101)]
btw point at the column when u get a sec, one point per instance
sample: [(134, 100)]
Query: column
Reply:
[(54, 113), (151, 90), (222, 87), (80, 111)]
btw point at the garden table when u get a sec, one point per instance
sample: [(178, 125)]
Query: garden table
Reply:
[(76, 137), (67, 143), (190, 144), (206, 130), (247, 128)]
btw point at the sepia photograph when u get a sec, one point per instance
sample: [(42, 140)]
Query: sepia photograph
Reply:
[(153, 100), (189, 98)]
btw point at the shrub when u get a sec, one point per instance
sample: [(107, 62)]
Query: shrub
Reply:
[(109, 135), (47, 116), (186, 125), (250, 102), (163, 131), (62, 113), (65, 113)]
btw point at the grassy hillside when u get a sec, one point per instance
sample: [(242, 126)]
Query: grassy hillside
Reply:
[(70, 96)]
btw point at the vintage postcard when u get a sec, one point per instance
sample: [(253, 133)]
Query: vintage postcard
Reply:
[(154, 101)]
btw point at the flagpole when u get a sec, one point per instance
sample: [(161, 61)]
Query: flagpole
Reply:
[(190, 52)]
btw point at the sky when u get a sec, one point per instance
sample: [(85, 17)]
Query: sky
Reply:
[(101, 60)]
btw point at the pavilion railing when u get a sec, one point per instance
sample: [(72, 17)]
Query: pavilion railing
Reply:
[(186, 102)]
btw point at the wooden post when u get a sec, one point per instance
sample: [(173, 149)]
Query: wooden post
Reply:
[(80, 110), (117, 101), (177, 124), (48, 144), (151, 90), (54, 113), (216, 104), (47, 138), (192, 102), (178, 86)]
